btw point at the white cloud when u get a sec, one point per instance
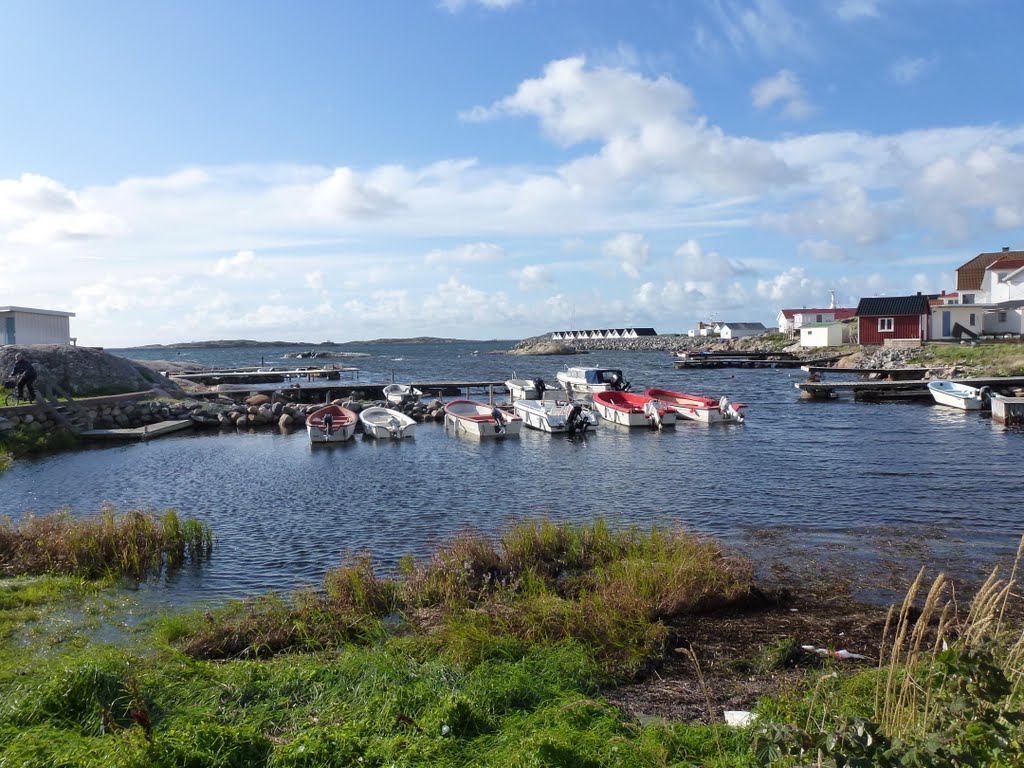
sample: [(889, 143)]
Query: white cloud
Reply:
[(471, 253), (782, 88), (792, 288), (575, 103), (847, 213), (39, 211), (855, 10), (822, 250), (908, 69), (533, 276), (764, 26), (630, 251), (454, 6), (240, 266), (345, 195)]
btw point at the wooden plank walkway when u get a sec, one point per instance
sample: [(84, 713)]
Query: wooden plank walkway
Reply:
[(702, 361), (138, 433), (888, 390)]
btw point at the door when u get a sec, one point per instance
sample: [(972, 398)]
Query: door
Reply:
[(9, 331), (945, 324)]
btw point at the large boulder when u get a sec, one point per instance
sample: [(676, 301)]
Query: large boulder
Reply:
[(84, 371)]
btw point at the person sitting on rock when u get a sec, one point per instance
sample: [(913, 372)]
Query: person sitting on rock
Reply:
[(25, 375)]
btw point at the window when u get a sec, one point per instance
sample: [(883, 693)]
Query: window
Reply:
[(968, 298), (1002, 317), (971, 321), (885, 324), (819, 318)]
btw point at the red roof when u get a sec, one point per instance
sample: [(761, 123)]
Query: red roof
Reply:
[(840, 313), (1007, 262)]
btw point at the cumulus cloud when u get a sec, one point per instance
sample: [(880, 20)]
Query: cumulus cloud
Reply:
[(782, 88), (847, 213), (471, 253), (575, 103), (533, 276), (792, 288), (241, 265), (908, 69), (822, 250), (856, 10), (630, 251), (700, 266), (345, 195), (39, 211)]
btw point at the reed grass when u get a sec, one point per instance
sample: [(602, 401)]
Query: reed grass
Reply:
[(135, 544)]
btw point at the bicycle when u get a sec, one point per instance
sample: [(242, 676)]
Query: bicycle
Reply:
[(9, 393)]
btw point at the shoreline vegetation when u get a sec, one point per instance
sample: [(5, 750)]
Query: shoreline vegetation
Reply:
[(546, 645)]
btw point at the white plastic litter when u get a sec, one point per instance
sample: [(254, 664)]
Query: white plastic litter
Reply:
[(843, 654), (738, 718)]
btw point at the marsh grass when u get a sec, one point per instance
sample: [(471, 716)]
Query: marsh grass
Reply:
[(540, 583), (1000, 358), (135, 544)]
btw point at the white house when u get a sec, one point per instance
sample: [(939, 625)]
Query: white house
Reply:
[(952, 320), (790, 321), (738, 330), (22, 325), (824, 334), (1003, 286), (990, 295)]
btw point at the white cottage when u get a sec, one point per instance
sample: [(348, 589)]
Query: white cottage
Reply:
[(824, 334), (23, 325), (738, 330)]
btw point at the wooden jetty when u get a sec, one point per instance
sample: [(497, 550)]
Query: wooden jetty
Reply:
[(1008, 410), (264, 375), (330, 390), (144, 432), (889, 374), (750, 360), (894, 390)]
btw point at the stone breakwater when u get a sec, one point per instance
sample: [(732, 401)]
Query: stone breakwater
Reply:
[(256, 411), (771, 342)]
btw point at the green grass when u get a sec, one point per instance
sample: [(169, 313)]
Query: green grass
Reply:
[(135, 543), (996, 358)]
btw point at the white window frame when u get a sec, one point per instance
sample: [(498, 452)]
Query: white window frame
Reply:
[(886, 324)]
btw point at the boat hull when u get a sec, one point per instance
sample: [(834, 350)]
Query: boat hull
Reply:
[(705, 410), (473, 419), (400, 394), (386, 424), (339, 428), (553, 416), (955, 395), (633, 410)]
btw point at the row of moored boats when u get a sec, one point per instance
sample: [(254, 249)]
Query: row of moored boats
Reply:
[(591, 395)]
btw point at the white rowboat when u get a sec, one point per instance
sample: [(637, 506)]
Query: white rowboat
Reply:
[(959, 395), (384, 423), (399, 394), (468, 417), (555, 415)]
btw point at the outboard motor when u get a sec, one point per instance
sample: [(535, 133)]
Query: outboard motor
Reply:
[(653, 413), (985, 393), (328, 423), (540, 386), (575, 421), (394, 427), (499, 420), (726, 409), (618, 383)]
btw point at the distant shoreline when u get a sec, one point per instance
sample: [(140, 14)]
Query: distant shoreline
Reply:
[(230, 343)]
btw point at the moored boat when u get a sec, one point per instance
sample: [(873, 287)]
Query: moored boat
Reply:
[(480, 420), (386, 423), (330, 424), (706, 410), (555, 415), (632, 410), (400, 394), (525, 389), (961, 396), (586, 380)]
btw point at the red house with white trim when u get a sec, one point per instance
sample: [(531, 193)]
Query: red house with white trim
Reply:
[(894, 318)]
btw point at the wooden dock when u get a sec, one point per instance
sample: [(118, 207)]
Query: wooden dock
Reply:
[(264, 375), (872, 391), (332, 390), (1008, 410), (891, 374), (753, 360), (138, 433)]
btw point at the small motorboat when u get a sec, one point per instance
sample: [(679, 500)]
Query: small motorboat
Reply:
[(632, 410), (706, 410), (525, 389), (400, 394), (586, 380), (384, 423), (960, 396), (331, 424), (555, 415), (480, 420)]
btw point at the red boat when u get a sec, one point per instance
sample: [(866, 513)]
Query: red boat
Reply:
[(331, 424), (632, 410), (703, 409)]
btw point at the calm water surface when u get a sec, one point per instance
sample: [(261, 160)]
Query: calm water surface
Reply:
[(816, 474)]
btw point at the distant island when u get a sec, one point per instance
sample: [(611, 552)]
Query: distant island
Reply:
[(226, 343)]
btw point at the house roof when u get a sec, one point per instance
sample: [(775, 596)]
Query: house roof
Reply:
[(893, 305), (1008, 262), (970, 275), (840, 313), (745, 326), (820, 325), (30, 310)]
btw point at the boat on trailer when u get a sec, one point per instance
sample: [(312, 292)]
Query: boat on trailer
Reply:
[(480, 420), (706, 410), (633, 410), (384, 423), (962, 396), (555, 415), (330, 424)]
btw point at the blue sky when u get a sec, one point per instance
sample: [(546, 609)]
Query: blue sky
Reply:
[(496, 168)]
